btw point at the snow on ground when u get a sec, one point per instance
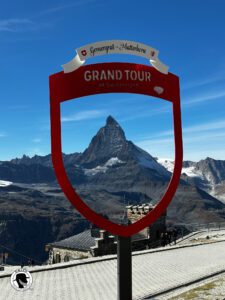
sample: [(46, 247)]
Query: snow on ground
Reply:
[(147, 161), (191, 172), (111, 162), (151, 164), (219, 197), (4, 183), (167, 163)]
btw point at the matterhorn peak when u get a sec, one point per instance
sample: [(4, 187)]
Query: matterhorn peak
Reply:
[(111, 121), (109, 142), (112, 131)]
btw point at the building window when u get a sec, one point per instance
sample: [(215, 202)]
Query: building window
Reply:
[(66, 258), (57, 258)]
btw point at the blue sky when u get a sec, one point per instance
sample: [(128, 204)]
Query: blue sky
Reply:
[(37, 37)]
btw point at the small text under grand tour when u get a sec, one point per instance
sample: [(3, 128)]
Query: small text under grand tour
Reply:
[(129, 75)]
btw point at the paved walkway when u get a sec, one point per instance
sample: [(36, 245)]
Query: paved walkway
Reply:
[(95, 279)]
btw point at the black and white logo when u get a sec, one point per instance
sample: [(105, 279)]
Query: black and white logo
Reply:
[(21, 280)]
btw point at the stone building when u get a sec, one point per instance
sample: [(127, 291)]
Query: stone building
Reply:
[(149, 237), (95, 242), (89, 243)]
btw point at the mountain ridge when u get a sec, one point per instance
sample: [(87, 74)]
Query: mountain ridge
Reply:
[(109, 149), (207, 174), (108, 175)]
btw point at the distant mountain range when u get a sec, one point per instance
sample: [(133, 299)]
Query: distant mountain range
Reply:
[(109, 174), (116, 165), (207, 174)]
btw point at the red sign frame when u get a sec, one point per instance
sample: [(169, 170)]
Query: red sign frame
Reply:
[(67, 86)]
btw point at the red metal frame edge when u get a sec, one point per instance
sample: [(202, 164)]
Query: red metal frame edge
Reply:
[(68, 86)]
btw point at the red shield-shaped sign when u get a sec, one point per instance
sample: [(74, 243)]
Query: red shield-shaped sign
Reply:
[(114, 78)]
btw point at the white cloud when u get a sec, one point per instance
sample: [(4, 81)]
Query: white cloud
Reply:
[(29, 24), (205, 127), (195, 147), (200, 141), (36, 140), (158, 147), (84, 115), (187, 138), (17, 25), (146, 113), (197, 155), (204, 81), (66, 6), (200, 128), (207, 137), (150, 142), (186, 102), (2, 135), (192, 100)]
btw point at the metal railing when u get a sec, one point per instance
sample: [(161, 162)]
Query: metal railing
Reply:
[(191, 227)]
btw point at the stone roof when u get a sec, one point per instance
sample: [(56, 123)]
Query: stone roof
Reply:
[(82, 241)]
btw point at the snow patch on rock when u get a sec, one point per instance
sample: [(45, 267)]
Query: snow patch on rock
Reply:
[(146, 160), (189, 171), (192, 172), (102, 169), (4, 183), (151, 164), (166, 163)]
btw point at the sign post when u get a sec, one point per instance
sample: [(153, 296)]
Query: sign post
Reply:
[(124, 268), (78, 80)]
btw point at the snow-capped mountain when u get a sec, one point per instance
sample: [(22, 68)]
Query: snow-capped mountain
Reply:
[(188, 169), (212, 170), (110, 149), (207, 174)]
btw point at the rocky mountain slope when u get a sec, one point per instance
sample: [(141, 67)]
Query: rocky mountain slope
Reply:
[(30, 218), (207, 174)]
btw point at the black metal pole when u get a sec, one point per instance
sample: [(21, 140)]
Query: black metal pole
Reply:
[(124, 268)]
